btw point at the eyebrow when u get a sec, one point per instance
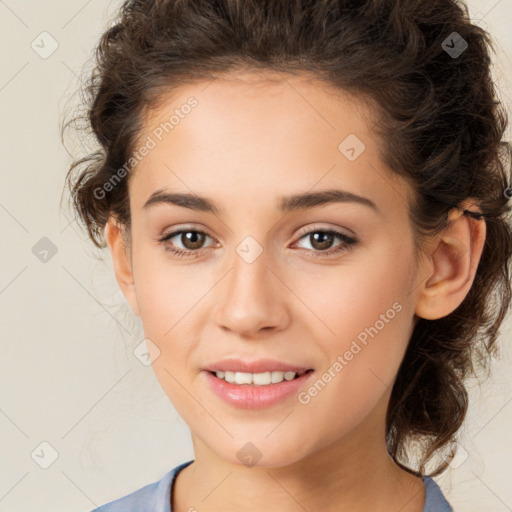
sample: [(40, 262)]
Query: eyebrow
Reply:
[(294, 202)]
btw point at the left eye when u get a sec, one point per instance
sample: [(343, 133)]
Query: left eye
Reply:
[(320, 240)]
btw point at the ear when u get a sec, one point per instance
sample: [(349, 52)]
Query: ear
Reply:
[(452, 265), (121, 259)]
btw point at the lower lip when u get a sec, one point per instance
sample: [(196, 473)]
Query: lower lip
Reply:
[(247, 396)]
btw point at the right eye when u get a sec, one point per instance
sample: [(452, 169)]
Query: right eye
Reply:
[(191, 239)]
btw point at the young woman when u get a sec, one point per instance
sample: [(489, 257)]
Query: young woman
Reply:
[(306, 205)]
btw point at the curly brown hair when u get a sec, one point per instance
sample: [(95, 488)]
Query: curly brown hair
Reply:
[(439, 121)]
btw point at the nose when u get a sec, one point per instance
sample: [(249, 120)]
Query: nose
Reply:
[(252, 299)]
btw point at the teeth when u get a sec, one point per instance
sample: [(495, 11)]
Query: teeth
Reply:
[(256, 379)]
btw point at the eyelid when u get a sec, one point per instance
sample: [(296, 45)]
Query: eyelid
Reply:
[(179, 229), (318, 227)]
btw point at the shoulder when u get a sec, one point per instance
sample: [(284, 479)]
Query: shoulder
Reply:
[(434, 498), (154, 496), (144, 498)]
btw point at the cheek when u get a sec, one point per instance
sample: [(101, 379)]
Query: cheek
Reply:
[(363, 313), (171, 299), (166, 292), (369, 288), (371, 326)]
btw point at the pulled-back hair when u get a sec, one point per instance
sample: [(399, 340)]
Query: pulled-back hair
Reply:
[(438, 118)]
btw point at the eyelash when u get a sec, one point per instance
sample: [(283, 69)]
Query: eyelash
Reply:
[(348, 243)]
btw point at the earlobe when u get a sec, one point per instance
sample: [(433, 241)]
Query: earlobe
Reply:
[(452, 266), (121, 261)]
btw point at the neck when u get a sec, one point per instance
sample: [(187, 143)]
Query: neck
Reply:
[(355, 473)]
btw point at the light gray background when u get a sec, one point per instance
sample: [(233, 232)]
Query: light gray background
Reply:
[(68, 374)]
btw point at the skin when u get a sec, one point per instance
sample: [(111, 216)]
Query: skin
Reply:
[(248, 142)]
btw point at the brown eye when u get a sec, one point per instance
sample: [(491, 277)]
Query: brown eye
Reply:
[(321, 240), (184, 241), (192, 239)]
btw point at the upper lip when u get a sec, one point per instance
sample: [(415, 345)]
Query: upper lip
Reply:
[(256, 366)]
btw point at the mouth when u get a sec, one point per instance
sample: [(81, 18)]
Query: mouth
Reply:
[(267, 378), (257, 391)]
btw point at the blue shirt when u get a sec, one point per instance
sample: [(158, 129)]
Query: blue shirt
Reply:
[(156, 497)]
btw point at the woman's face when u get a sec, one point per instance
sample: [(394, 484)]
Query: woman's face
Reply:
[(261, 277)]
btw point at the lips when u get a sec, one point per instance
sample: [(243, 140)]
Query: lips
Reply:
[(244, 396), (255, 366)]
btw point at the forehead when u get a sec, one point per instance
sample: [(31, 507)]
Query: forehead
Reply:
[(262, 132), (248, 98)]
